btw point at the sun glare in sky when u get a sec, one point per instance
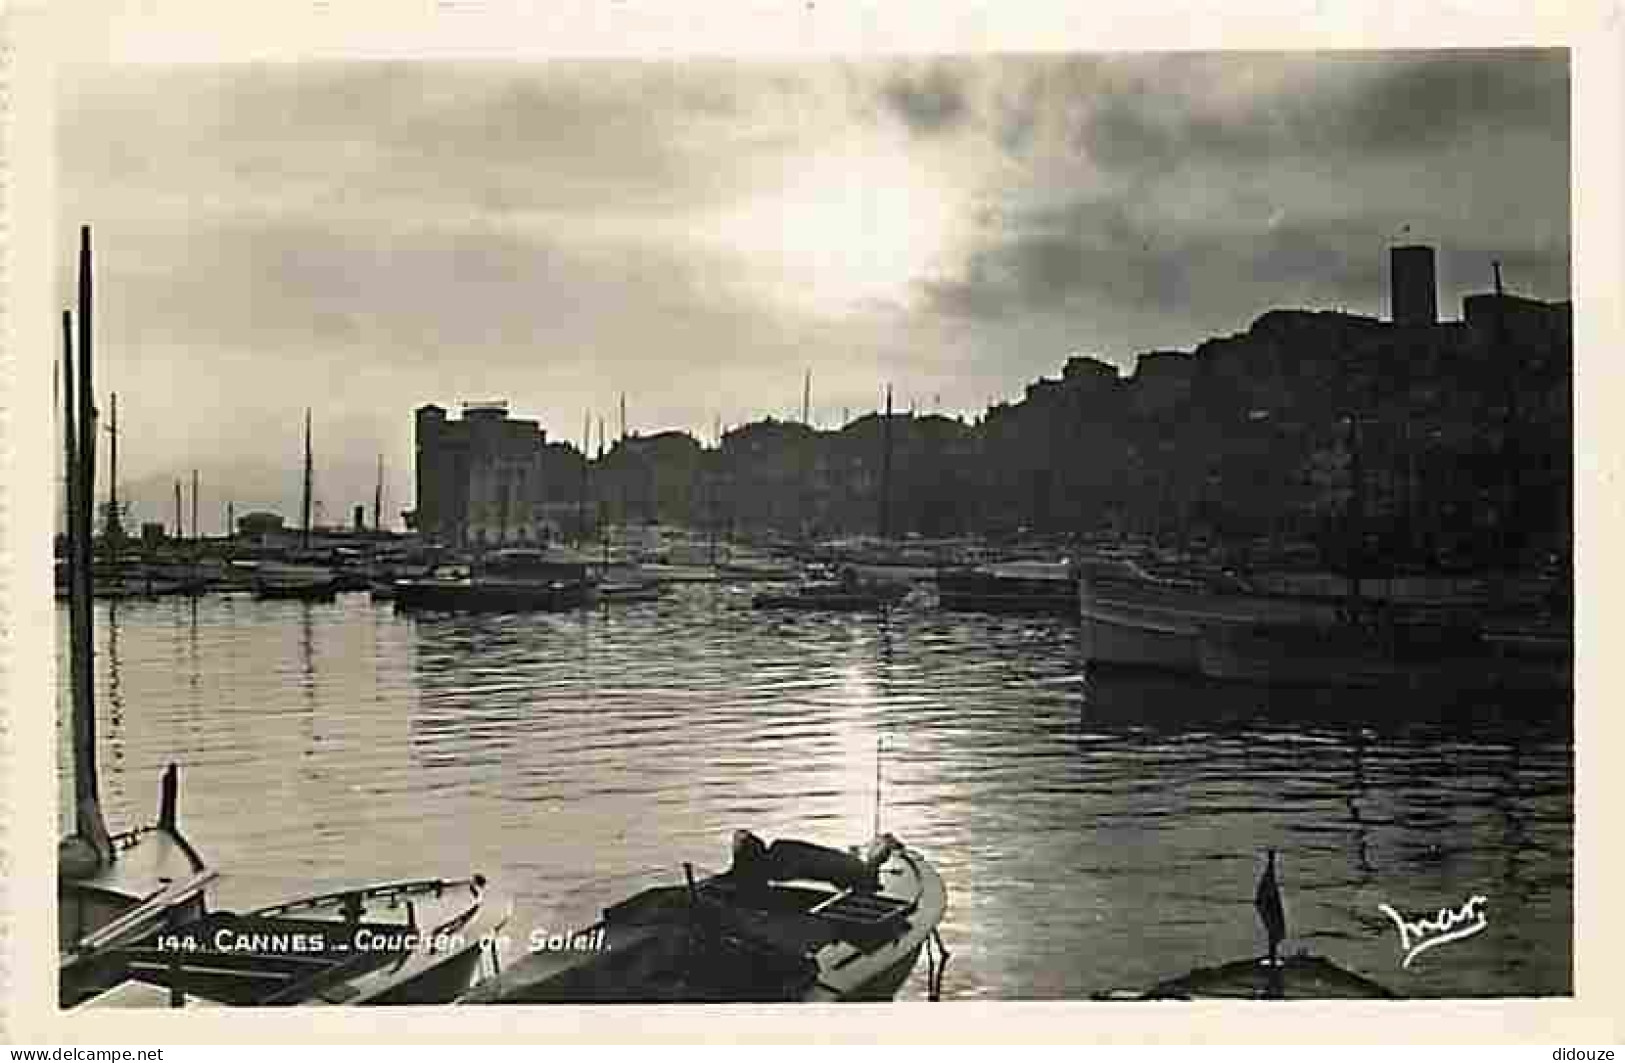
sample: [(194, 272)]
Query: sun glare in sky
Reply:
[(862, 222)]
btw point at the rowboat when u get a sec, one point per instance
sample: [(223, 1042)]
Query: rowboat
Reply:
[(414, 942), (786, 922)]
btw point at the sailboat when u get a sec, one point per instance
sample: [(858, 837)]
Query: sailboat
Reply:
[(111, 888), (302, 580), (136, 923)]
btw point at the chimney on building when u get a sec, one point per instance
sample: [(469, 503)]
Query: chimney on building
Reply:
[(1414, 294)]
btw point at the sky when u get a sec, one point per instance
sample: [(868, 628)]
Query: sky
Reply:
[(362, 238)]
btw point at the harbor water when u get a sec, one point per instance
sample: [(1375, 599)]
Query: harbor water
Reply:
[(1095, 831)]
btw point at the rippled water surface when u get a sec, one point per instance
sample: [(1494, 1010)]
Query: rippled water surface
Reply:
[(1094, 831)]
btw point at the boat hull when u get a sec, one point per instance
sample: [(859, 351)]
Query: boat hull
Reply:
[(317, 592), (781, 944), (1142, 623), (826, 603), (1346, 657), (488, 596), (156, 880), (417, 942), (1300, 977), (991, 591)]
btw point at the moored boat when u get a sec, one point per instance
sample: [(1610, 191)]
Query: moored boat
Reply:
[(1035, 587), (786, 922), (847, 594), (1301, 976), (742, 567), (1130, 617), (280, 580), (414, 942), (515, 580)]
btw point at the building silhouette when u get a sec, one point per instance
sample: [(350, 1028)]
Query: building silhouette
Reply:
[(483, 480), (1414, 298)]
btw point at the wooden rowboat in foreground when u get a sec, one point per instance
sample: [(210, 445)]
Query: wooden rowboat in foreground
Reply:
[(790, 921)]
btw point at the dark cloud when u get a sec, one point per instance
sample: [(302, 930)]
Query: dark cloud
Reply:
[(1344, 107)]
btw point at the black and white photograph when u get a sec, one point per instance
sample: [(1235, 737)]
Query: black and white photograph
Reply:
[(988, 526)]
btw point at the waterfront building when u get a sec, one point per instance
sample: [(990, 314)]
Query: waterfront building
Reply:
[(481, 479)]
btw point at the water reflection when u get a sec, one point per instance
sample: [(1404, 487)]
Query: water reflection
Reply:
[(1095, 829)]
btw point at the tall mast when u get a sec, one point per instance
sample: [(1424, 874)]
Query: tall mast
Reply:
[(70, 442), (885, 470), (82, 431), (180, 525), (806, 399), (195, 535), (304, 505), (378, 498), (86, 806), (623, 415)]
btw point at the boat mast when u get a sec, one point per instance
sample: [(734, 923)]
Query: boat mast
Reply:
[(180, 525), (304, 504), (603, 525), (115, 527), (807, 452), (378, 498), (195, 536), (581, 501), (885, 470), (80, 435)]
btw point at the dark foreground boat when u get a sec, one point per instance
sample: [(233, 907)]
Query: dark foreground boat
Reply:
[(1302, 976), (416, 942), (790, 921)]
